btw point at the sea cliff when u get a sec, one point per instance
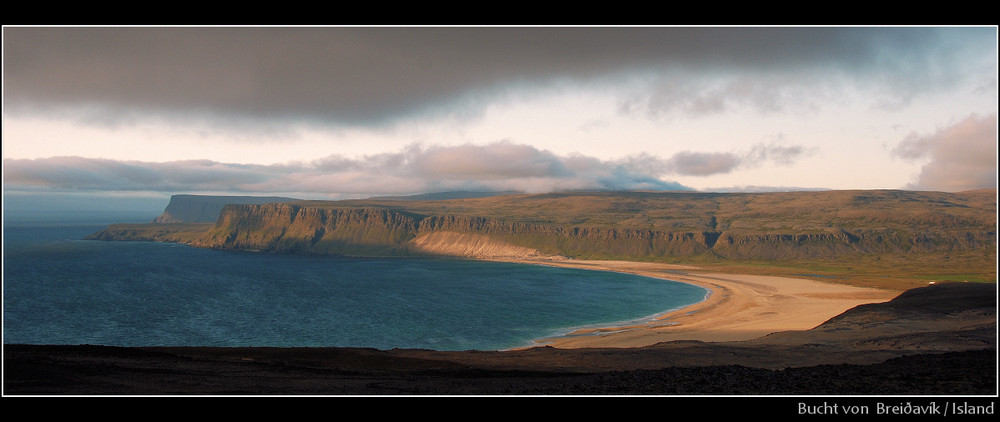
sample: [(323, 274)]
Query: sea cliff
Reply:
[(294, 228), (206, 208), (655, 226)]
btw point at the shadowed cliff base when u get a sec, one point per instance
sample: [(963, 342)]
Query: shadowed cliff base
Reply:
[(876, 349)]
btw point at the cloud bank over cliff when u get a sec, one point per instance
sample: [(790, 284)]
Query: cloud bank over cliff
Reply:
[(500, 166)]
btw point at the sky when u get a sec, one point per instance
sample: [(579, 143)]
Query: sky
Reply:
[(347, 112)]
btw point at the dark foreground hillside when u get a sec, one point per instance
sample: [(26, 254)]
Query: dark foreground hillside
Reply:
[(97, 370), (879, 349)]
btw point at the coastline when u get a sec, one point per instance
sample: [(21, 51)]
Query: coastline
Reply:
[(875, 350), (738, 307)]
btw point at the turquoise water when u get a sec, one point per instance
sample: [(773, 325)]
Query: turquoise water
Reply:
[(60, 289)]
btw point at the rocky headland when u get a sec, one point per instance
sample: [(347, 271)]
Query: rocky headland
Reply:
[(206, 208)]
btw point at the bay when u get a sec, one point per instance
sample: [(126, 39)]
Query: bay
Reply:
[(60, 289)]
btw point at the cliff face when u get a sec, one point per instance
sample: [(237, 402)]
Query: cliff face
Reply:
[(280, 227), (579, 241), (296, 228), (204, 208), (800, 225), (845, 243)]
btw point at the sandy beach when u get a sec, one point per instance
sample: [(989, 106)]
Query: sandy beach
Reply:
[(738, 307)]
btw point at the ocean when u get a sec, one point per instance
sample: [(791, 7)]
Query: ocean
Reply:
[(61, 289)]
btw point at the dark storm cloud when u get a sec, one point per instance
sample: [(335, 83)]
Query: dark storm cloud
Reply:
[(370, 75)]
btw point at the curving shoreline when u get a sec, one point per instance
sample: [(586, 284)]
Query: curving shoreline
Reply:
[(739, 307), (946, 333)]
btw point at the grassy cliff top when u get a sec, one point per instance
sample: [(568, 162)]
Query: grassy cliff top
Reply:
[(797, 212)]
